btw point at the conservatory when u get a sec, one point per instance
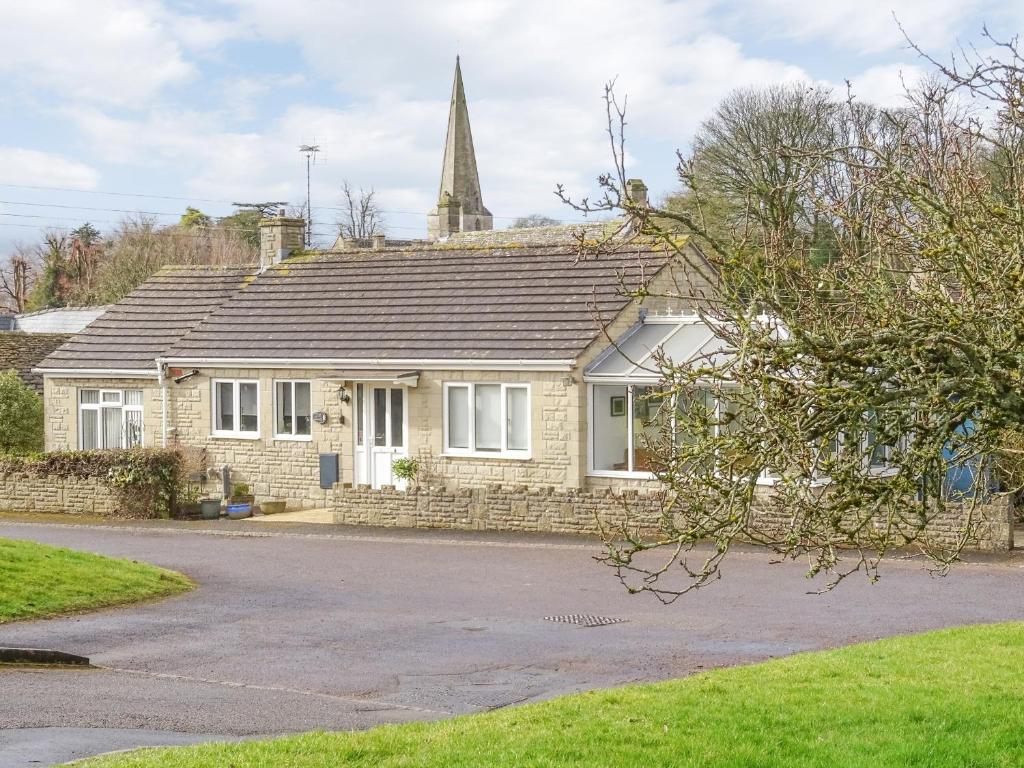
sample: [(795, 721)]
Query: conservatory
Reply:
[(622, 385)]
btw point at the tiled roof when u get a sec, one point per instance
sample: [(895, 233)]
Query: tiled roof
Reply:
[(419, 303), (147, 322), (23, 351), (423, 304)]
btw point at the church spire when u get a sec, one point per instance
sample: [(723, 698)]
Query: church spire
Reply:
[(460, 203)]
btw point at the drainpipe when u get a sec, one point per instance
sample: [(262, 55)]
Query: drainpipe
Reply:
[(163, 402)]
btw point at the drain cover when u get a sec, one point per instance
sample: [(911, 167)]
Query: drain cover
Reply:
[(585, 620)]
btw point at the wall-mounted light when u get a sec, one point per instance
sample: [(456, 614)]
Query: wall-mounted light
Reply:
[(343, 395)]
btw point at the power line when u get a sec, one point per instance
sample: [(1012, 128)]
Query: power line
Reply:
[(227, 202)]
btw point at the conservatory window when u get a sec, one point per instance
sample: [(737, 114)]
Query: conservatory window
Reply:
[(109, 419)]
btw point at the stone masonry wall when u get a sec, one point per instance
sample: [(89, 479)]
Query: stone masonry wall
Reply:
[(518, 508), (75, 496)]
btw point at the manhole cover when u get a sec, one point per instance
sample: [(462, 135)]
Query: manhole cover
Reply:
[(585, 620)]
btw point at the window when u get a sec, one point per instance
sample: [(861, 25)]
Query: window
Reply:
[(487, 419), (625, 421), (109, 418), (236, 408), (292, 410)]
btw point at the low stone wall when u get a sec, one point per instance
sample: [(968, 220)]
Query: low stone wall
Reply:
[(496, 508), (518, 508), (36, 493)]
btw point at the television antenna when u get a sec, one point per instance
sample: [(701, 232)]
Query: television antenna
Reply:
[(310, 151)]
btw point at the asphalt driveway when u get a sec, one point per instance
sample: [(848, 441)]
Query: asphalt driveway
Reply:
[(292, 631)]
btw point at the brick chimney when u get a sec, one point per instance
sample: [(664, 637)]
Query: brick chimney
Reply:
[(280, 236)]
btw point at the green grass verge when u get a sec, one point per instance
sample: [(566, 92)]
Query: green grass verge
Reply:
[(38, 581), (949, 698)]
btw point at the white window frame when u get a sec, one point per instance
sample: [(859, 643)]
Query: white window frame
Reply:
[(286, 436), (505, 452), (100, 405), (236, 390), (763, 479), (620, 473)]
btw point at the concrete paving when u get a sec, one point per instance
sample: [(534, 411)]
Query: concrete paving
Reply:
[(296, 628)]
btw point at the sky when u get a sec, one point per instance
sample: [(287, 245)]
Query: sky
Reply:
[(115, 106)]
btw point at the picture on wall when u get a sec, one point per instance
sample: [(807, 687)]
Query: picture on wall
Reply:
[(618, 405)]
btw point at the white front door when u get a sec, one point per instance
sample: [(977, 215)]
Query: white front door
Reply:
[(380, 433)]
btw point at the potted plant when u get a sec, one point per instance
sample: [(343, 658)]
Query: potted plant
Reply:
[(241, 501), (188, 503), (406, 469), (209, 508)]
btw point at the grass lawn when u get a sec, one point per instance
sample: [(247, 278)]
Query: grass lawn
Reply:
[(949, 698), (38, 581)]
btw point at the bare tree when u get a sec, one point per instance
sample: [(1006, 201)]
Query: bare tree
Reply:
[(848, 404), (16, 277), (361, 216), (534, 220)]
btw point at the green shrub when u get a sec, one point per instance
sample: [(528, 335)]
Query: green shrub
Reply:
[(406, 469), (21, 416), (144, 480)]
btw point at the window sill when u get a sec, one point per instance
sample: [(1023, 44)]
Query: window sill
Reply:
[(235, 435), (515, 456), (622, 475)]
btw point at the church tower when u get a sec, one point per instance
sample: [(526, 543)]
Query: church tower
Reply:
[(460, 206)]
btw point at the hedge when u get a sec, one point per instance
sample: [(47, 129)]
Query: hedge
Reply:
[(145, 480)]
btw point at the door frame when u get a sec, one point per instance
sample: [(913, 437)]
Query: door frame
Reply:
[(364, 455)]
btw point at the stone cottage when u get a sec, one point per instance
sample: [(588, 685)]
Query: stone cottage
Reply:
[(485, 354)]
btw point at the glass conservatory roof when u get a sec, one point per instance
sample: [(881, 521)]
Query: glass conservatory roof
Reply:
[(632, 356)]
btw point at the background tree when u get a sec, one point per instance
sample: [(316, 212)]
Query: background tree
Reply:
[(534, 220), (361, 216), (21, 416), (17, 277), (193, 218), (862, 397)]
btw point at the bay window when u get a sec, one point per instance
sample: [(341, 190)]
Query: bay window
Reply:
[(109, 419), (236, 408), (487, 419), (292, 410)]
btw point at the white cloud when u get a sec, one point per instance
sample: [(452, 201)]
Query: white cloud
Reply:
[(866, 26), (29, 166), (119, 52), (886, 85)]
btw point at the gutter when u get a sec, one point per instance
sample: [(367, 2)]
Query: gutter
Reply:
[(94, 373), (362, 362)]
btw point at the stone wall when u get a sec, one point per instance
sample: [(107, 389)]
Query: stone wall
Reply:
[(495, 507), (519, 508), (75, 496)]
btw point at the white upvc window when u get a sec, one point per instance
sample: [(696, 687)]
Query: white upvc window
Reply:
[(109, 419), (626, 420), (293, 413), (236, 408), (487, 420)]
